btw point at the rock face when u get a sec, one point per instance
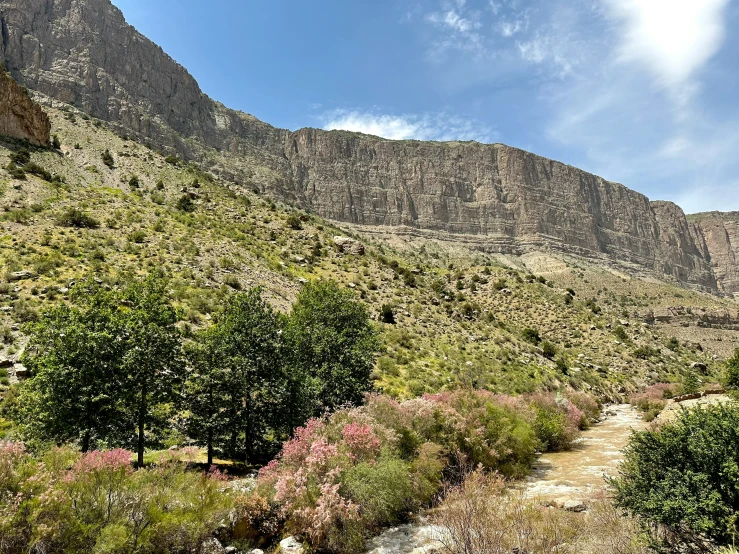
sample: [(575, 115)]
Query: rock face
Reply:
[(720, 232), (492, 197), (21, 117)]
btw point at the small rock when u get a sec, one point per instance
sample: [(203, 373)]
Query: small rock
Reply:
[(20, 275), (231, 550), (574, 506), (699, 366), (256, 551), (302, 280), (212, 546), (290, 545)]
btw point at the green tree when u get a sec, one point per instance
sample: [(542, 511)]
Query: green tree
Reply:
[(239, 388), (683, 477), (333, 343), (74, 354), (153, 365), (731, 374)]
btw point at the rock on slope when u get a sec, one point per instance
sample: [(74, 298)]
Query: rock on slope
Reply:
[(21, 117), (495, 197)]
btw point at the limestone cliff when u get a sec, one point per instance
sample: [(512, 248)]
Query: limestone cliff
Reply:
[(20, 117), (720, 232), (494, 197)]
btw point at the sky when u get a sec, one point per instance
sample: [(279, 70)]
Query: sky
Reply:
[(642, 92)]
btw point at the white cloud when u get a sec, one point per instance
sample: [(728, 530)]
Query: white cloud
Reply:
[(672, 38), (453, 21), (436, 126), (508, 28)]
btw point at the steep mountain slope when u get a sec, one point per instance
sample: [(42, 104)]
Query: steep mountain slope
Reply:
[(461, 316), (492, 197), (720, 231)]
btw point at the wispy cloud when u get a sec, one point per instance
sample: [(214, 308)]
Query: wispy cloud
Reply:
[(430, 126)]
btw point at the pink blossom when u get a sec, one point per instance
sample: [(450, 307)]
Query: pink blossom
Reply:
[(106, 460), (360, 439)]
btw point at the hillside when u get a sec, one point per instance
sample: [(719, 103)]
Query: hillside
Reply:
[(491, 198), (461, 316)]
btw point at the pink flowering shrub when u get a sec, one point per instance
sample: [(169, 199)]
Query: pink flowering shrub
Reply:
[(96, 502), (343, 476)]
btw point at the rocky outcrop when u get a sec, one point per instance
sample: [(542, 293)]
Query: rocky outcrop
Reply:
[(720, 232), (492, 197), (20, 117)]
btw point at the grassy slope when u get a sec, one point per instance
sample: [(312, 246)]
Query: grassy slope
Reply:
[(242, 237)]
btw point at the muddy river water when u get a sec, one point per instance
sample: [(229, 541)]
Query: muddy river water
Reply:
[(573, 475)]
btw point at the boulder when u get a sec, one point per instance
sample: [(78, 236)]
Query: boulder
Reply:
[(291, 545), (700, 366), (348, 245), (5, 363)]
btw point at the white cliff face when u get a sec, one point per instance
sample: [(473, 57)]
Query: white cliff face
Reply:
[(491, 197)]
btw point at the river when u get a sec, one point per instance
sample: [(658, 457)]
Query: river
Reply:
[(558, 477)]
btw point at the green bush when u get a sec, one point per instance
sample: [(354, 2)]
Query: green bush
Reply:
[(107, 158), (74, 217), (386, 314), (293, 221), (731, 373), (548, 350), (682, 477), (185, 203), (531, 335)]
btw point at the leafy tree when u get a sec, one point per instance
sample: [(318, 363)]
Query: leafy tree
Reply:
[(691, 384), (153, 364), (185, 203), (333, 343), (531, 335), (75, 355), (731, 375), (683, 477), (236, 394)]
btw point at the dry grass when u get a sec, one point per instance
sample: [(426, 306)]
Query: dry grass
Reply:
[(483, 517)]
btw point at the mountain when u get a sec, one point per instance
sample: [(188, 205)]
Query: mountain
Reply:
[(493, 198), (20, 117)]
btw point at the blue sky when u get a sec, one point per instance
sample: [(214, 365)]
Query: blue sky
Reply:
[(643, 92)]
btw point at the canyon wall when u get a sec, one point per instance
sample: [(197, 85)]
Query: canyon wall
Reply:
[(498, 198)]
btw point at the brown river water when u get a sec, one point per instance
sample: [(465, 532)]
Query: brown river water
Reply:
[(572, 475)]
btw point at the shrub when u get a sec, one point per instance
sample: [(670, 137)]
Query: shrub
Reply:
[(134, 182), (74, 217), (548, 350), (620, 334), (107, 158), (386, 314), (731, 373), (483, 516), (35, 169), (137, 237), (676, 477), (531, 335), (96, 502), (185, 203), (293, 221), (21, 157), (55, 142)]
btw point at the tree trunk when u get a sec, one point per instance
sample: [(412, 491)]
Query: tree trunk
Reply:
[(142, 420), (210, 447), (86, 441)]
